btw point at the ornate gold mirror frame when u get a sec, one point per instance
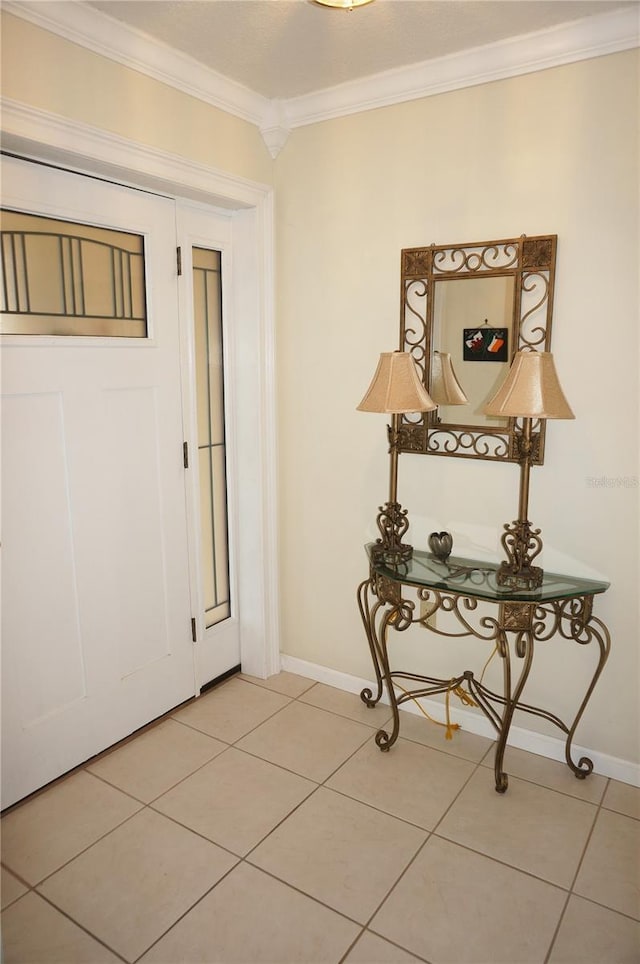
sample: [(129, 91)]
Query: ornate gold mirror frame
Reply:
[(479, 303)]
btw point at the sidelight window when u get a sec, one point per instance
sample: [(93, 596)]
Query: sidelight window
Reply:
[(207, 300)]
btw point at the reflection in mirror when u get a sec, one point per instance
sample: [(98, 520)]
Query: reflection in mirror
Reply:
[(466, 309), (465, 319)]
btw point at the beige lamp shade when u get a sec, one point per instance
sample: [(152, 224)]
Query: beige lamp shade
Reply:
[(445, 387), (396, 387), (531, 389)]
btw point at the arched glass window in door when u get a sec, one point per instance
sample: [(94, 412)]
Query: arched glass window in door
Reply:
[(207, 302), (63, 278)]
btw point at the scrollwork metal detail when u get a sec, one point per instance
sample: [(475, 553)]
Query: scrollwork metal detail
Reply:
[(522, 544), (384, 606)]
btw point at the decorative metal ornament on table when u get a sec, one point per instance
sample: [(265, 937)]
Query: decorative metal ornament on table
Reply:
[(441, 544)]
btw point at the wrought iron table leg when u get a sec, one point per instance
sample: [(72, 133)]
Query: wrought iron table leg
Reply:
[(368, 620), (524, 650), (383, 739), (583, 631)]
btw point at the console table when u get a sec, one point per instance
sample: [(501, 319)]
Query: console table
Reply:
[(398, 596)]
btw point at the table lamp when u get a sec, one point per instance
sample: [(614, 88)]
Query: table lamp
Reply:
[(530, 391), (396, 389)]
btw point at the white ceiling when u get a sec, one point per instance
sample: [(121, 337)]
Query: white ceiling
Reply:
[(290, 48)]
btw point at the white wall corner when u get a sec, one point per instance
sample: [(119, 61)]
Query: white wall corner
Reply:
[(275, 127)]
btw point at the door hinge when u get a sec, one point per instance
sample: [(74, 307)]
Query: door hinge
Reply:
[(185, 454), (179, 260), (194, 637)]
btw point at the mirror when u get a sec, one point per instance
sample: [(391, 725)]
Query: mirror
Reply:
[(479, 303)]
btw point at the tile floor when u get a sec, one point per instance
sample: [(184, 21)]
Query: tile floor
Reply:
[(261, 823)]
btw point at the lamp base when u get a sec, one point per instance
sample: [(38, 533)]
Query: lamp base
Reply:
[(512, 578), (522, 544), (393, 524)]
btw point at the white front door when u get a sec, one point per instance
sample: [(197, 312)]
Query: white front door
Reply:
[(96, 621)]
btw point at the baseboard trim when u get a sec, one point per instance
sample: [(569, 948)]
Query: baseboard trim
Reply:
[(609, 766)]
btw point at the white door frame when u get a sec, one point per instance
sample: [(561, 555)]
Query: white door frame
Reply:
[(40, 135)]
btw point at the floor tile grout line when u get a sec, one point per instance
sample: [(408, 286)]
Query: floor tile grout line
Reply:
[(304, 893), (278, 766), (66, 863), (255, 681), (144, 803), (607, 907), (189, 909), (254, 846), (501, 863), (82, 927), (322, 785), (586, 845), (13, 873), (270, 716), (457, 796), (576, 874), (442, 836), (353, 943), (430, 834), (366, 930), (556, 931), (377, 809), (397, 881)]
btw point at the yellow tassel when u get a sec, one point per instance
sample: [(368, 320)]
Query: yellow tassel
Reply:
[(450, 728), (464, 697)]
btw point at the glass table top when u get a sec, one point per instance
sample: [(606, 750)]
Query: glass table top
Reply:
[(469, 577)]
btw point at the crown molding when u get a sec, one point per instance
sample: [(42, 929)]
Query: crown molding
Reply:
[(568, 43), (110, 38), (582, 40)]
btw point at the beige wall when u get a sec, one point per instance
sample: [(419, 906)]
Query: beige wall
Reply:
[(44, 71), (552, 152)]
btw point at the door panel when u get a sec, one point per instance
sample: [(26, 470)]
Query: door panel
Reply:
[(96, 624), (39, 521)]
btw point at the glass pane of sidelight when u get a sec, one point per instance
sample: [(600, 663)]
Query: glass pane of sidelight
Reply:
[(63, 278), (207, 302)]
